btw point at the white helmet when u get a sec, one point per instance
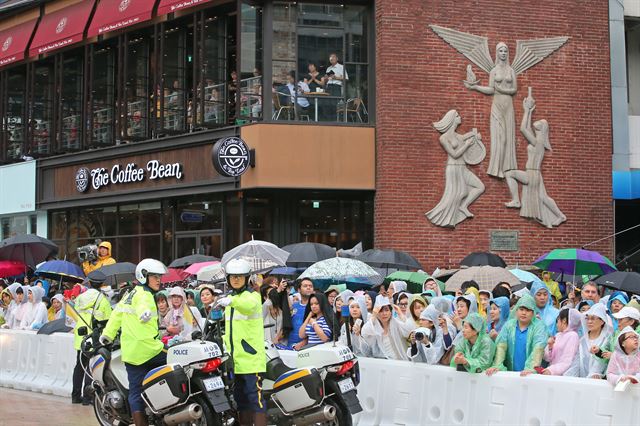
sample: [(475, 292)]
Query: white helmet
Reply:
[(149, 266), (238, 267)]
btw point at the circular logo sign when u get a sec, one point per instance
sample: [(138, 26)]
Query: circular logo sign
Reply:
[(231, 157), (82, 179), (7, 44), (124, 4), (61, 25)]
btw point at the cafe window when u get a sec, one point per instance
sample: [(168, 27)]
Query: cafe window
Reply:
[(340, 224), (41, 119), (13, 112), (251, 84), (198, 215), (136, 87), (71, 95), (103, 94), (320, 62), (257, 219)]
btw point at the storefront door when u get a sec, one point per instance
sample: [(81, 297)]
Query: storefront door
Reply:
[(206, 243)]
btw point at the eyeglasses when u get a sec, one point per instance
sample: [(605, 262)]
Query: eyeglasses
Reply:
[(403, 304), (633, 336)]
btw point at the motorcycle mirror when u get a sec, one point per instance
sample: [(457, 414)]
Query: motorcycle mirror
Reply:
[(82, 331), (196, 335)]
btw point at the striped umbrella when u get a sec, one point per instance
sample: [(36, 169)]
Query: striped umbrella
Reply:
[(575, 262)]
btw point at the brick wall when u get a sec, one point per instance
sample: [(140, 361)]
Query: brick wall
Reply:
[(419, 78)]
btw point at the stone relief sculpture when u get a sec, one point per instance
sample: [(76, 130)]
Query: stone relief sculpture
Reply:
[(502, 86), (462, 187), (536, 203)]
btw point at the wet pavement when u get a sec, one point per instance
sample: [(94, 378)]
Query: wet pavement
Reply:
[(19, 408)]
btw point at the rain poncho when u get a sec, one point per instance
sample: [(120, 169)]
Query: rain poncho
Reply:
[(346, 296), (359, 345), (536, 339), (589, 303), (181, 317), (622, 364), (561, 356), (431, 284), (553, 288), (479, 355), (10, 311), (399, 286), (620, 297), (23, 309), (431, 351), (585, 364), (479, 306), (52, 314), (36, 317), (503, 304), (413, 300), (196, 298), (45, 285), (473, 309), (444, 306), (549, 313), (393, 344)]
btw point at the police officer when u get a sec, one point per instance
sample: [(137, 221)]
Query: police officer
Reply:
[(136, 314), (244, 339), (90, 304)]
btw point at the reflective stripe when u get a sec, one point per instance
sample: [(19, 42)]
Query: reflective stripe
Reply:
[(127, 309)]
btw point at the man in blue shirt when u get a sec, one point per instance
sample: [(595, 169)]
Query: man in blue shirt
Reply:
[(297, 313)]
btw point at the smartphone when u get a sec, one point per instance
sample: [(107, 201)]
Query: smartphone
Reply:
[(539, 369)]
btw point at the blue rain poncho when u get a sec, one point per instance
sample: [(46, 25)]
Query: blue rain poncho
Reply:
[(620, 297), (480, 355), (430, 350), (536, 339), (548, 314), (504, 305), (585, 364)]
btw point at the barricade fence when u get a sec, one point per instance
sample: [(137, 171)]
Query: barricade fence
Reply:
[(391, 392)]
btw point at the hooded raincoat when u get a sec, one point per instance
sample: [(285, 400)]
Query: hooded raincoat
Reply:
[(561, 355), (23, 309), (479, 306), (413, 300), (36, 317), (549, 313), (585, 364), (622, 364), (473, 309), (479, 355), (52, 314), (536, 339), (620, 297), (504, 305), (359, 344), (10, 311), (89, 267), (180, 317), (393, 344), (553, 288), (429, 351)]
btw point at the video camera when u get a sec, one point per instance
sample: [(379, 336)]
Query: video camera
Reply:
[(89, 252)]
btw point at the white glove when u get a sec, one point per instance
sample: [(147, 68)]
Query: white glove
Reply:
[(104, 340), (224, 302), (146, 316)]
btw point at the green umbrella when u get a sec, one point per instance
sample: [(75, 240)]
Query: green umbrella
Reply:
[(414, 280), (575, 262)]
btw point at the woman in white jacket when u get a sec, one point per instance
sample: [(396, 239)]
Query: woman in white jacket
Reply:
[(357, 319), (37, 315), (386, 335), (428, 347)]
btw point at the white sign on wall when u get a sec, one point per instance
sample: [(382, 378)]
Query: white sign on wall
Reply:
[(18, 188)]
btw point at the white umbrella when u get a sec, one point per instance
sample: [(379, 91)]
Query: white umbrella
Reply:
[(262, 255), (211, 273), (342, 269)]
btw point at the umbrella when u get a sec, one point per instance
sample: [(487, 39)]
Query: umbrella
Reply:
[(288, 271), (55, 326), (59, 270), (28, 248), (115, 274), (483, 259), (525, 276), (184, 262), (398, 260), (196, 267), (575, 262), (623, 281), (9, 268), (486, 276), (303, 255), (342, 270), (415, 280), (173, 275), (262, 255), (211, 273), (562, 277)]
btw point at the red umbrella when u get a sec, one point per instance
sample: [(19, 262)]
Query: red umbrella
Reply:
[(173, 275), (195, 268), (10, 268)]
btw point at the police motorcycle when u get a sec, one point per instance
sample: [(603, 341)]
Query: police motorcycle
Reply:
[(321, 389), (191, 389)]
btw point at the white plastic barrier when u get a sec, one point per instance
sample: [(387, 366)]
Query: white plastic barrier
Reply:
[(40, 363)]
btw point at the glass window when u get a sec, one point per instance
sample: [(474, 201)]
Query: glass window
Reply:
[(101, 221), (58, 228), (176, 76), (71, 101), (199, 215), (212, 88), (320, 15), (33, 229), (15, 112), (15, 225), (41, 120), (103, 96), (283, 53), (137, 88), (319, 221), (257, 219), (251, 62), (137, 248)]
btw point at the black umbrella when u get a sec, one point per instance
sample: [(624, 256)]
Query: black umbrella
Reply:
[(620, 280), (55, 326), (28, 248), (303, 255), (389, 259), (185, 262), (115, 274), (483, 259)]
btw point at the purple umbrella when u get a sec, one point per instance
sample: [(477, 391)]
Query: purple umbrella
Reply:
[(575, 262)]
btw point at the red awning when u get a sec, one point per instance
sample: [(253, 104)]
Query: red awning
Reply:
[(112, 15), (169, 6), (14, 41), (61, 28)]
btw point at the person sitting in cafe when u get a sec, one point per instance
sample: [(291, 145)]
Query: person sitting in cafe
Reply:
[(297, 92)]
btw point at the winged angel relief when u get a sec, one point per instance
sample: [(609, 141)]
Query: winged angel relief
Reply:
[(503, 85)]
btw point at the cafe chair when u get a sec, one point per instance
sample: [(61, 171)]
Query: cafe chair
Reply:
[(353, 108), (279, 108)]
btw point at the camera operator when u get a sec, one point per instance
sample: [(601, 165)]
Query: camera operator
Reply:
[(427, 343), (93, 262)]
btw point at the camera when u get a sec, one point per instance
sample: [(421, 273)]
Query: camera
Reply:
[(88, 253), (421, 333)]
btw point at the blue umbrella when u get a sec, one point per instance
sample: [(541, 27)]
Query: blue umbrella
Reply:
[(526, 276), (60, 270)]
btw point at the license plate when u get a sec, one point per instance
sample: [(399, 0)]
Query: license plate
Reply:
[(213, 383), (346, 385)]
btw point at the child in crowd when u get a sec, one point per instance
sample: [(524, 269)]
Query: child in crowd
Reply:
[(561, 349), (625, 362)]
